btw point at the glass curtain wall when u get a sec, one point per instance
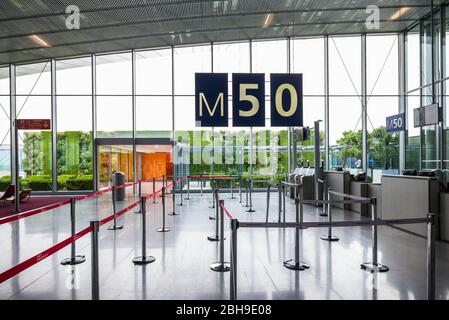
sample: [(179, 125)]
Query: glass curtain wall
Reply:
[(74, 124), (5, 137)]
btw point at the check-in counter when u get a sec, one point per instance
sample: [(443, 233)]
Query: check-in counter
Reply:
[(309, 190), (410, 197), (339, 181), (444, 213), (360, 189)]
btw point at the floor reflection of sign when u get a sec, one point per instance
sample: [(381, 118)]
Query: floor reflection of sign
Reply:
[(33, 124)]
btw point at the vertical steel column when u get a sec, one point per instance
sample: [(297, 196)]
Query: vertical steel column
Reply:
[(12, 124), (431, 257), (54, 128), (74, 259), (144, 259), (374, 266), (402, 99), (326, 102), (289, 69), (95, 279), (173, 135), (250, 158), (134, 117), (364, 108), (233, 260), (96, 172)]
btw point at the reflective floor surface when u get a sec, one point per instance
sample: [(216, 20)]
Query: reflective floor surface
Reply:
[(183, 257)]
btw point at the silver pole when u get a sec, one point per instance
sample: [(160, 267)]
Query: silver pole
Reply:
[(17, 167), (154, 190), (216, 237), (268, 203), (246, 194), (329, 237), (188, 189), (240, 189), (221, 266), (173, 191), (325, 197), (284, 194), (164, 228), (114, 226), (74, 259), (181, 193), (139, 210), (233, 276), (95, 225), (201, 185), (431, 257), (280, 201), (143, 260), (250, 182), (374, 266)]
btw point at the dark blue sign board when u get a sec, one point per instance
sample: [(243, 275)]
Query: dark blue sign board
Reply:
[(286, 100), (248, 100), (211, 99), (396, 123)]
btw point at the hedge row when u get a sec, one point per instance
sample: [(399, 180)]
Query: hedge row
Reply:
[(44, 182)]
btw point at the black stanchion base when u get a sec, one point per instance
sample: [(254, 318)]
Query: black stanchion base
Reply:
[(250, 210), (330, 239), (323, 215), (211, 218), (138, 212), (213, 238), (292, 265), (163, 229), (174, 214), (140, 261), (220, 267), (245, 206), (75, 261), (187, 198), (180, 205), (112, 228), (371, 267), (212, 207)]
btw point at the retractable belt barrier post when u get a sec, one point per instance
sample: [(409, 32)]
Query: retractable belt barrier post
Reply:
[(114, 227), (212, 187), (95, 281), (140, 197), (431, 257), (240, 189), (268, 203), (233, 259), (221, 266), (173, 191), (144, 259), (154, 190), (374, 266), (216, 237), (284, 195), (181, 193), (188, 188), (74, 259), (201, 185), (297, 264), (325, 198), (329, 237), (232, 188), (250, 182), (280, 202), (246, 194), (164, 228)]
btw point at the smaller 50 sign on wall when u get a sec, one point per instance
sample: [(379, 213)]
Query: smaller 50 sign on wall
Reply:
[(248, 100)]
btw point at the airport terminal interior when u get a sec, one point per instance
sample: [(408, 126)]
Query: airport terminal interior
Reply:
[(224, 150)]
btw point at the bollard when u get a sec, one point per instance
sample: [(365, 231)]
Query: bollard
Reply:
[(216, 237), (374, 266), (154, 190), (268, 203), (95, 225), (325, 197), (114, 227), (140, 197), (74, 259), (188, 188), (143, 260), (221, 266), (431, 257), (173, 192), (240, 189), (164, 228), (233, 259), (329, 237), (250, 182), (297, 264)]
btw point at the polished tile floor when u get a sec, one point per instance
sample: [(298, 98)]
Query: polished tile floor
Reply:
[(183, 255)]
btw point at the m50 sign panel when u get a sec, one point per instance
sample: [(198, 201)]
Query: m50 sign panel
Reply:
[(248, 100)]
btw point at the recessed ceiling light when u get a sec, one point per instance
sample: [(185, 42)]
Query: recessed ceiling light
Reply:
[(39, 41), (400, 13)]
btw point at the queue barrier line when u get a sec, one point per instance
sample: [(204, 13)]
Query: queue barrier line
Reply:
[(63, 203), (8, 274), (349, 196)]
